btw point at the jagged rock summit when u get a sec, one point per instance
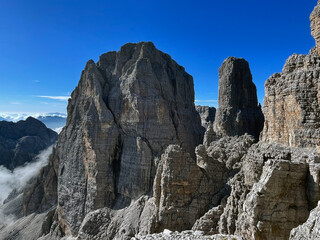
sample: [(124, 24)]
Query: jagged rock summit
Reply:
[(125, 111), (238, 110), (20, 142)]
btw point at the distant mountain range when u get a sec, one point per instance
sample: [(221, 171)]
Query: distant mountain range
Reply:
[(55, 121)]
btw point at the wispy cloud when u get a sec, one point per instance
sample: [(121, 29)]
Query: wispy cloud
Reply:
[(15, 103), (61, 98), (209, 100), (36, 81), (18, 178)]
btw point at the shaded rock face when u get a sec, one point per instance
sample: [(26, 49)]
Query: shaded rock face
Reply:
[(20, 142), (40, 194), (238, 110), (207, 115), (291, 103), (310, 229), (125, 111), (315, 26)]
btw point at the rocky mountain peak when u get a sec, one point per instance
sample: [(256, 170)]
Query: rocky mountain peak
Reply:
[(124, 113)]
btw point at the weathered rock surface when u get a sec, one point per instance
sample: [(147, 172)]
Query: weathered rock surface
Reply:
[(277, 203), (20, 142), (125, 111), (184, 235), (315, 25), (221, 161), (269, 195), (310, 229), (181, 190), (40, 194), (30, 227), (238, 112), (291, 103), (207, 114)]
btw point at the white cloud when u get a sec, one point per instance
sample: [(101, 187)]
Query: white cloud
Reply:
[(14, 117), (15, 103), (61, 98), (18, 178)]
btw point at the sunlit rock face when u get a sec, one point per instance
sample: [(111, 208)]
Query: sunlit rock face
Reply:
[(126, 110), (291, 103)]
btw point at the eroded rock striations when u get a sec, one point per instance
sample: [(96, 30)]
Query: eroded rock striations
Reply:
[(238, 112), (291, 104), (20, 142), (124, 113)]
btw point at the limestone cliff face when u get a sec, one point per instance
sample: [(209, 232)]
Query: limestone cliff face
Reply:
[(125, 111), (238, 110), (291, 104)]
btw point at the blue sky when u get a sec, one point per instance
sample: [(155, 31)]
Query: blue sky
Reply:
[(44, 45)]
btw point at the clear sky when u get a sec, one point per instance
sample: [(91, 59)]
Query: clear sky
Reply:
[(45, 44)]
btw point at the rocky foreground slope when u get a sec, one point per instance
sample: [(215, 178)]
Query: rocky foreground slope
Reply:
[(135, 160)]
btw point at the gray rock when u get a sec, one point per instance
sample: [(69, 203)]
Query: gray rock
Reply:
[(29, 227), (184, 235), (268, 196), (181, 191), (310, 229), (277, 203), (20, 142), (238, 110), (291, 106), (125, 111), (40, 194), (207, 115)]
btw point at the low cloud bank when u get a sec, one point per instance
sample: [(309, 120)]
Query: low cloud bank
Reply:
[(14, 117), (18, 178)]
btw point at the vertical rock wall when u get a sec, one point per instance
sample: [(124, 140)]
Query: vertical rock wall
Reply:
[(238, 112), (125, 111)]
